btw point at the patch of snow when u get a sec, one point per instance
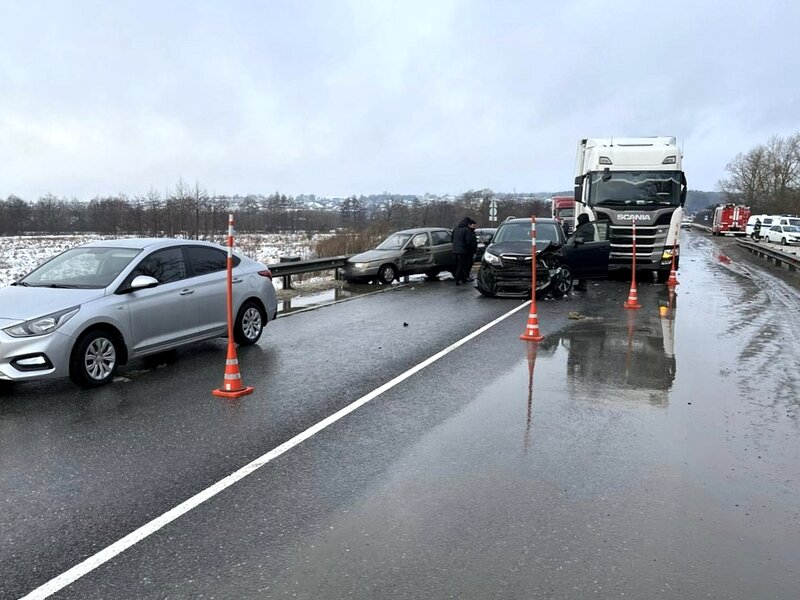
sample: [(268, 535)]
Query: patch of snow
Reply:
[(21, 254)]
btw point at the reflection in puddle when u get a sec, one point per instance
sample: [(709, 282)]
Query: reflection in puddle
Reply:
[(311, 300), (631, 359), (532, 348)]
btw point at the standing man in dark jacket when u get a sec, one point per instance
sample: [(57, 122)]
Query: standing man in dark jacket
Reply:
[(465, 243), (583, 219)]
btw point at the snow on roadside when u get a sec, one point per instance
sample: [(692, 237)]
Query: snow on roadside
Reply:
[(21, 254)]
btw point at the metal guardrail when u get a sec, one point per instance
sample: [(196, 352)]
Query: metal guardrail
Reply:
[(781, 259), (296, 267)]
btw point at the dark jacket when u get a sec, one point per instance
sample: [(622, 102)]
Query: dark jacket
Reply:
[(464, 239)]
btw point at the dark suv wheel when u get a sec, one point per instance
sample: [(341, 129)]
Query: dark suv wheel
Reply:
[(486, 283), (564, 284)]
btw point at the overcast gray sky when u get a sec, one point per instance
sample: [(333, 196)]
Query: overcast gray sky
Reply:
[(351, 97)]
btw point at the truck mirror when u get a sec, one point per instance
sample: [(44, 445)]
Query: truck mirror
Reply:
[(683, 188), (579, 188)]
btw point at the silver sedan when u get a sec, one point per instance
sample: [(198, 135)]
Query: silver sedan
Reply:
[(91, 308)]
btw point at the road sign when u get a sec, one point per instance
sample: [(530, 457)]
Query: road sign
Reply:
[(493, 210)]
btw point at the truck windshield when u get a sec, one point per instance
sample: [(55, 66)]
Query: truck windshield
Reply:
[(635, 188)]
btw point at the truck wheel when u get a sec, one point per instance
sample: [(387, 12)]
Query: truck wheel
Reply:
[(387, 274), (662, 275), (94, 359)]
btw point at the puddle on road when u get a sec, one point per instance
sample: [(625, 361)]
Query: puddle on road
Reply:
[(345, 292), (291, 305)]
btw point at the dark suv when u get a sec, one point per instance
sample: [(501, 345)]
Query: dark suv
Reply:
[(506, 266)]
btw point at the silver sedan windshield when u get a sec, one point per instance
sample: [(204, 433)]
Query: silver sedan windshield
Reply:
[(81, 268)]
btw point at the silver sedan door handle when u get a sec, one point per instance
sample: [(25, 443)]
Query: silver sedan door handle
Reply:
[(237, 280), (186, 292)]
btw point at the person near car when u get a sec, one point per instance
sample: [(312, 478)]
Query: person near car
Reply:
[(583, 218), (465, 243), (757, 229)]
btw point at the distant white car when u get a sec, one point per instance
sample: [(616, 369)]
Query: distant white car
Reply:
[(91, 308), (783, 234)]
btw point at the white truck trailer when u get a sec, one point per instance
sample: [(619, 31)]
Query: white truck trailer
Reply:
[(633, 180)]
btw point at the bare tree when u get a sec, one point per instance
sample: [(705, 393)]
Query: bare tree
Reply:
[(767, 177)]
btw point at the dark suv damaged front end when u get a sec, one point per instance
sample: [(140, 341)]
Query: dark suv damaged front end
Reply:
[(505, 270), (506, 266)]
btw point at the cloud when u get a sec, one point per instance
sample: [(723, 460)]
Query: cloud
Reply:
[(361, 97)]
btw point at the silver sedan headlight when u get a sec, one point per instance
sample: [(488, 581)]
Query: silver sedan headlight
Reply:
[(42, 325), (362, 265), (492, 259)]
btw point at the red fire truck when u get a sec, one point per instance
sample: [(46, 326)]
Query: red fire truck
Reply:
[(730, 219)]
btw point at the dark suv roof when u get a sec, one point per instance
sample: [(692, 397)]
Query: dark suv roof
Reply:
[(528, 220)]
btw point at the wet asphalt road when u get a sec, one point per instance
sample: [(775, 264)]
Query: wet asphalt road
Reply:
[(638, 454)]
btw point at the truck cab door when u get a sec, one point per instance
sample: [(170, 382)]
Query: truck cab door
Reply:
[(587, 249)]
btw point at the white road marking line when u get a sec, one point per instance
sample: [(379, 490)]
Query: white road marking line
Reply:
[(90, 564)]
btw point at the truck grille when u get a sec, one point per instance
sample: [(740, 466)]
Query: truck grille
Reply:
[(649, 244)]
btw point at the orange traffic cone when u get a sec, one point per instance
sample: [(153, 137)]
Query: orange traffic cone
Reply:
[(633, 297), (673, 279), (232, 384), (673, 275), (532, 328)]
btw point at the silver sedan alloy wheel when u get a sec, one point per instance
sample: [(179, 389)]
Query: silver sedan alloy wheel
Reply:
[(251, 323), (100, 358)]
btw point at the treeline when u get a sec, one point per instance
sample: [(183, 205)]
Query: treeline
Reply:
[(189, 211), (697, 200), (767, 177)]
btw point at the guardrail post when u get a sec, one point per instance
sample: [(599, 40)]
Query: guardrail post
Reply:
[(287, 279)]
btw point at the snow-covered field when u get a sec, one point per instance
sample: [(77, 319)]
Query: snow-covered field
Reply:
[(20, 254)]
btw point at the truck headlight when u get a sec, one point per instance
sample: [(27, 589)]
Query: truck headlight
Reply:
[(42, 325), (492, 259)]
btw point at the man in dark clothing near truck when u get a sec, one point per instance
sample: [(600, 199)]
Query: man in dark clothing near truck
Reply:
[(465, 243), (583, 218)]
